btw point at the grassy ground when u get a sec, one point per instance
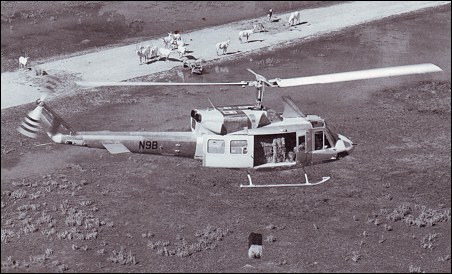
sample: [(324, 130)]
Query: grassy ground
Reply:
[(386, 209)]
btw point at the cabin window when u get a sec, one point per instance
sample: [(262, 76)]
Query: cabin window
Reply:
[(239, 147), (215, 146)]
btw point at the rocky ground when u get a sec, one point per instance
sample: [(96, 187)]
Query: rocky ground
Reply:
[(386, 208)]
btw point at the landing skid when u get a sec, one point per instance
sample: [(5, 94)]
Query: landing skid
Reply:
[(250, 185)]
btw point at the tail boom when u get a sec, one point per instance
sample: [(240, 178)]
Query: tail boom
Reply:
[(161, 143)]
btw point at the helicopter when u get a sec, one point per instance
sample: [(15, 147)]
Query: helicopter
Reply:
[(237, 137)]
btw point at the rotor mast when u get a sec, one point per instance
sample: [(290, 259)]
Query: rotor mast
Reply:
[(259, 94), (260, 84)]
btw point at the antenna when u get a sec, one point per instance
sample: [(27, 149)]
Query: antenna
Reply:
[(211, 103)]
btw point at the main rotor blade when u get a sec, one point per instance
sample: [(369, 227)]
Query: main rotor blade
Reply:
[(357, 75), (260, 78), (111, 84)]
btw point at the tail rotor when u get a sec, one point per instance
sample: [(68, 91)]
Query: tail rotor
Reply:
[(42, 117), (30, 126)]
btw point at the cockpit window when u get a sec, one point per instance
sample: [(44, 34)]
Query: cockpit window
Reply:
[(321, 141), (318, 140), (326, 143), (332, 134)]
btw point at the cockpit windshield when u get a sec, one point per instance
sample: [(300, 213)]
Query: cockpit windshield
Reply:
[(332, 134)]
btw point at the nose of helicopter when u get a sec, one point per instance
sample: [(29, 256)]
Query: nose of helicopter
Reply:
[(347, 145)]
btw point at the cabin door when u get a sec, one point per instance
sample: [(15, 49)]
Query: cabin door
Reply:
[(230, 151)]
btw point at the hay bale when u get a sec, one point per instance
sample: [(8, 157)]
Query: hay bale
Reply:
[(255, 246)]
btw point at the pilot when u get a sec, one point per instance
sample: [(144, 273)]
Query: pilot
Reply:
[(301, 147)]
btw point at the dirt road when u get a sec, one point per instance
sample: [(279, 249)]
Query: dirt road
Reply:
[(122, 63)]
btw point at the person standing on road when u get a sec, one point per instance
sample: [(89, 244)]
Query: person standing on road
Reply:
[(270, 13)]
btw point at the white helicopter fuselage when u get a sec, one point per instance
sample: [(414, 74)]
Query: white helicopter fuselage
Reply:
[(225, 137), (244, 137)]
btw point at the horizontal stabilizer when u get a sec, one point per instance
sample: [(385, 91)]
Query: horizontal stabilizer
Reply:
[(116, 148)]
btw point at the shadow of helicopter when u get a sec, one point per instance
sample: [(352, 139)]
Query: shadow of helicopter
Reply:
[(171, 59), (190, 57), (148, 62), (255, 40), (299, 24), (233, 52)]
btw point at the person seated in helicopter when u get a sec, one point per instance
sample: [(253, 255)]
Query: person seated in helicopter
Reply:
[(291, 156), (319, 141), (301, 147)]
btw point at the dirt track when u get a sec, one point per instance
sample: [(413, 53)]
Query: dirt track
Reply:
[(121, 63), (359, 221)]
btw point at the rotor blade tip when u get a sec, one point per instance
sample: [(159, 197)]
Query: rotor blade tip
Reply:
[(437, 68)]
